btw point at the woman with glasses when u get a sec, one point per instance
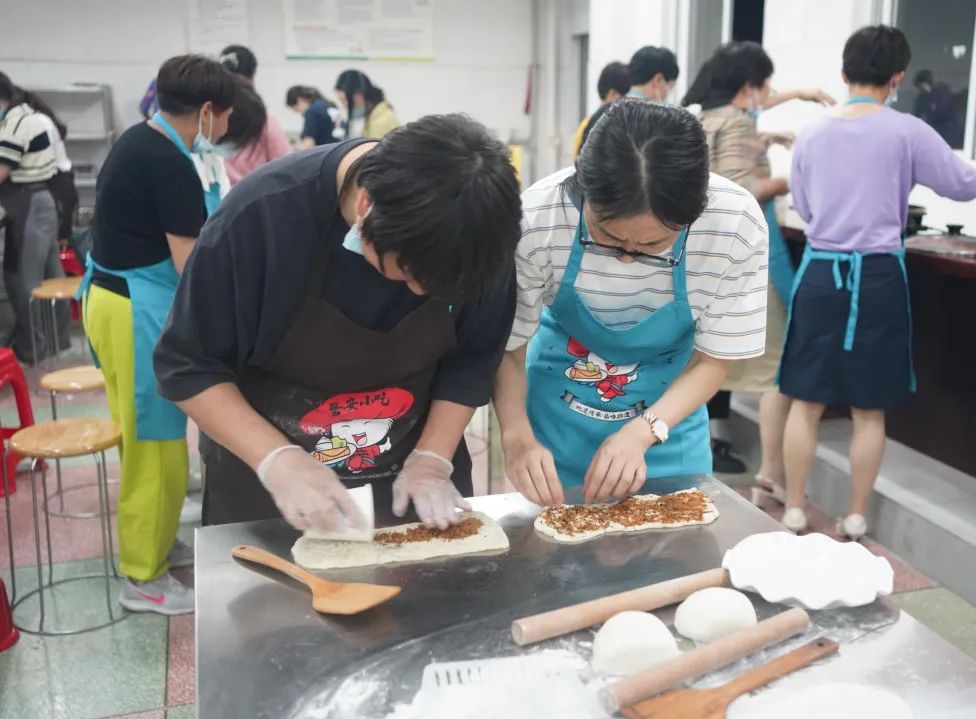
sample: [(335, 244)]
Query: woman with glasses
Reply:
[(641, 276)]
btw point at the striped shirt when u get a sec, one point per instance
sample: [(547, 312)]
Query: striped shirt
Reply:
[(25, 146), (724, 262)]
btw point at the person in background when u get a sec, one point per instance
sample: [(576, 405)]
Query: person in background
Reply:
[(849, 336), (367, 110), (149, 208), (27, 164), (62, 185), (149, 105), (653, 72), (936, 105), (732, 88), (322, 125), (641, 277), (271, 142), (613, 84)]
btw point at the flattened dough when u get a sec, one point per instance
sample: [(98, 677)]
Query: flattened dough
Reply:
[(711, 514), (839, 700), (330, 554)]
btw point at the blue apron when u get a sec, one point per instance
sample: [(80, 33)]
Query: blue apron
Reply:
[(585, 380), (151, 290), (781, 272), (852, 283)]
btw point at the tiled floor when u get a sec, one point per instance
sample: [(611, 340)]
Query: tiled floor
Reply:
[(143, 667)]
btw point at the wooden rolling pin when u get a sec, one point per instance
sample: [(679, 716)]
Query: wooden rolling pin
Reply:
[(702, 660), (539, 627)]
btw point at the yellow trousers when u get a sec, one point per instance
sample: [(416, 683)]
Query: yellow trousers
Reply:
[(154, 473)]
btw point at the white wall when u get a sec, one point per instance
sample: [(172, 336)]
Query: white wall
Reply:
[(805, 39), (482, 51)]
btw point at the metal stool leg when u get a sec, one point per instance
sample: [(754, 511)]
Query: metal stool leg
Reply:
[(56, 348), (37, 544), (57, 462), (108, 553), (30, 319), (10, 532), (47, 525)]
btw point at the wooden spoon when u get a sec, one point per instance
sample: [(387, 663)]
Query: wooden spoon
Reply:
[(713, 703), (327, 597)]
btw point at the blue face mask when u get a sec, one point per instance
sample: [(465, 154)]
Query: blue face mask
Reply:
[(354, 240), (892, 98), (357, 113), (225, 150), (3, 111), (203, 144), (754, 113)]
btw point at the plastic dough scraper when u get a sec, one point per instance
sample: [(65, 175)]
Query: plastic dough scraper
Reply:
[(363, 497)]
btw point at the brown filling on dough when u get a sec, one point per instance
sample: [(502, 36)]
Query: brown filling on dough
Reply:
[(631, 512), (465, 528)]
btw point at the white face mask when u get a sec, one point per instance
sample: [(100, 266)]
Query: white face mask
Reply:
[(892, 96)]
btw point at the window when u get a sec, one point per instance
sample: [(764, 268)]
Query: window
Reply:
[(937, 83)]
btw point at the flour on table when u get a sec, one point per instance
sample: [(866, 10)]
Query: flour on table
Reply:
[(573, 523), (331, 554), (838, 700)]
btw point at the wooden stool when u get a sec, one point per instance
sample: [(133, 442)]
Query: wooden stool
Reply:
[(51, 292), (86, 378), (62, 439)]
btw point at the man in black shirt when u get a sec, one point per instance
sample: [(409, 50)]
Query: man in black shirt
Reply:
[(342, 315), (150, 204)]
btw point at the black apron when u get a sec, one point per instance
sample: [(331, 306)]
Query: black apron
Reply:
[(355, 398)]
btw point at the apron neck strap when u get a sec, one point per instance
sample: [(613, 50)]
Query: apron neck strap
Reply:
[(678, 270), (171, 133)]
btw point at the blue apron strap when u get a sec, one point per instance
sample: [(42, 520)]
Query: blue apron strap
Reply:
[(854, 286), (678, 271), (575, 256), (912, 382), (782, 276), (800, 271), (211, 196)]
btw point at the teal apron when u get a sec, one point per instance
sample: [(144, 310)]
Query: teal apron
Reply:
[(852, 283), (586, 380), (781, 272), (151, 290)]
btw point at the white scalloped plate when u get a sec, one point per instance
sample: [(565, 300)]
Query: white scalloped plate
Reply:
[(813, 570)]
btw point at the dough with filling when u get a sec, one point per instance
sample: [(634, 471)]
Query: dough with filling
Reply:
[(631, 642), (331, 554), (713, 613)]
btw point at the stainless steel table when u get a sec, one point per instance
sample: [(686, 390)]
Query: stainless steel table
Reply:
[(263, 652)]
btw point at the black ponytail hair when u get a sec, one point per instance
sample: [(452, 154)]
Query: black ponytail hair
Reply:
[(875, 54), (641, 157), (239, 60), (732, 66), (350, 82), (17, 96)]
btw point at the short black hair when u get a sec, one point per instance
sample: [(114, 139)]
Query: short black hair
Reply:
[(446, 201), (875, 54), (11, 92), (350, 82), (728, 70), (239, 60), (924, 77), (186, 82), (247, 121), (649, 61), (304, 92), (615, 76), (642, 157)]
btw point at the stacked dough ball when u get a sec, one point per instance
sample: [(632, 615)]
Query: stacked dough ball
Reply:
[(631, 642)]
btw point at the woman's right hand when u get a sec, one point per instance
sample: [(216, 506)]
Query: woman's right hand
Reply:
[(532, 469)]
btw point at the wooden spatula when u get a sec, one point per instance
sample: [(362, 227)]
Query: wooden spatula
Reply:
[(327, 597), (713, 703)]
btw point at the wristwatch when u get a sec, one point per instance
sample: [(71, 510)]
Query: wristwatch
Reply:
[(659, 428)]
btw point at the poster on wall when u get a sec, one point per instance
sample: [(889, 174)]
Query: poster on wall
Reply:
[(359, 29), (215, 24)]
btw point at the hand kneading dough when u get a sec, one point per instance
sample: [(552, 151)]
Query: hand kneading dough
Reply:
[(631, 642), (713, 613)]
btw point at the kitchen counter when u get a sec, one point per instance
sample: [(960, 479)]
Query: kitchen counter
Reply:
[(263, 652), (938, 419)]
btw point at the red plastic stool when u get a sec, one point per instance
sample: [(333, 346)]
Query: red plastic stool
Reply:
[(72, 267), (11, 373), (8, 632)]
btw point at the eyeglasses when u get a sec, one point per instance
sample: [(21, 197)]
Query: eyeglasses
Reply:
[(641, 257)]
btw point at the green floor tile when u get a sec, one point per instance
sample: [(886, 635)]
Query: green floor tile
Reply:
[(120, 669), (187, 711), (945, 613)]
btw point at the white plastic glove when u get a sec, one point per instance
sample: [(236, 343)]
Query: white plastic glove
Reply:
[(308, 493), (426, 479)]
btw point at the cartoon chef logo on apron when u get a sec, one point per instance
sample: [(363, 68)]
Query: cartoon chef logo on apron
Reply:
[(355, 427), (606, 377)]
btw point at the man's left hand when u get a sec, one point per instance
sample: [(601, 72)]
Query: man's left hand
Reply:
[(618, 469)]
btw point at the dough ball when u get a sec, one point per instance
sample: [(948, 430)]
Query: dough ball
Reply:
[(713, 613), (631, 642)]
